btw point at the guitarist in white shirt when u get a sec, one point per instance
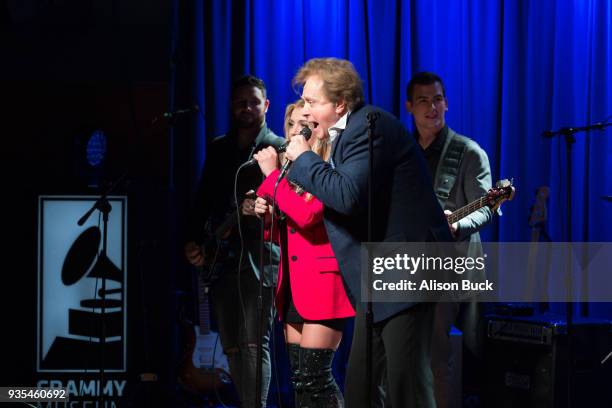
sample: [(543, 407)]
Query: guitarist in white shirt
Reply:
[(460, 172)]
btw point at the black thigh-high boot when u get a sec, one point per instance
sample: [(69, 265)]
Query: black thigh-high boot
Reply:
[(320, 388), (296, 375)]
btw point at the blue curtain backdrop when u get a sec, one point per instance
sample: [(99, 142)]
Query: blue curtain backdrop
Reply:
[(512, 70)]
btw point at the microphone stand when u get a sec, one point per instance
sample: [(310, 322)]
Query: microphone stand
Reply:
[(105, 208), (568, 135), (260, 319), (372, 117), (259, 352), (306, 132)]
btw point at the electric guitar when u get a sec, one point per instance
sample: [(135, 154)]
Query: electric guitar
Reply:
[(216, 246), (503, 190), (204, 367)]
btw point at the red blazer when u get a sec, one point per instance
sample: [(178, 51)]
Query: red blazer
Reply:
[(316, 284)]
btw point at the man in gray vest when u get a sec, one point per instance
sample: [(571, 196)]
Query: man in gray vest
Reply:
[(460, 171)]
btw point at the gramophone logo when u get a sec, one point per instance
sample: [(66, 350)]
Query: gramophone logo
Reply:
[(81, 325)]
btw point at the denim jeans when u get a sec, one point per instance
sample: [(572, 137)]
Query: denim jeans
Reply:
[(233, 300)]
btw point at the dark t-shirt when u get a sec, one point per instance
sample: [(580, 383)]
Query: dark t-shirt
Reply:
[(433, 152)]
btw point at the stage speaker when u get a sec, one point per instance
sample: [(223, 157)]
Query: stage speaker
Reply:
[(527, 363)]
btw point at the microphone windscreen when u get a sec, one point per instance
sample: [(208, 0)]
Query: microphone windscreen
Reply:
[(306, 132)]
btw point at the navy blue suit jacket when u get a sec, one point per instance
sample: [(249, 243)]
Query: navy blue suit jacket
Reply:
[(405, 206)]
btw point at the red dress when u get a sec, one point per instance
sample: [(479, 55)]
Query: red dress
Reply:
[(316, 283)]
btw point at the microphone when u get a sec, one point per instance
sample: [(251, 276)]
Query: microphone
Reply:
[(306, 132), (570, 131), (170, 115), (551, 133)]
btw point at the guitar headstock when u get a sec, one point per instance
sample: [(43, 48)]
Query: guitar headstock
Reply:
[(538, 213), (503, 190)]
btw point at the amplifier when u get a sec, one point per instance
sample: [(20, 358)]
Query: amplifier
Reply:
[(527, 362), (525, 329)]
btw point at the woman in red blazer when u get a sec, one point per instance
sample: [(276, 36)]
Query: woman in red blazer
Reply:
[(310, 295)]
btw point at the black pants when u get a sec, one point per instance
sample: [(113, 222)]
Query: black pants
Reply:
[(468, 317), (401, 363), (238, 330)]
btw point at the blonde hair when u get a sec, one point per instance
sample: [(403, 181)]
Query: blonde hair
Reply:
[(321, 146), (288, 111), (341, 81)]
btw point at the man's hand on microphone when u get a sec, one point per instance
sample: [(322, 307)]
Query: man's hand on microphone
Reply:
[(267, 159), (297, 145)]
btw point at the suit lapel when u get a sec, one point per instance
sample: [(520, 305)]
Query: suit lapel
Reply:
[(336, 143), (347, 129)]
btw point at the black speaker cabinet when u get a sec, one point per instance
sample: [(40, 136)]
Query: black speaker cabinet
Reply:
[(527, 363)]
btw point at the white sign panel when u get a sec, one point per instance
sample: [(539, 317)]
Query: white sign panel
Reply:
[(82, 294)]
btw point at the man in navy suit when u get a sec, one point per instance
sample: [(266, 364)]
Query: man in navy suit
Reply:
[(405, 210)]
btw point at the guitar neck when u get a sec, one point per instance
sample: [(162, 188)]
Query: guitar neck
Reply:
[(228, 223), (467, 210), (203, 307)]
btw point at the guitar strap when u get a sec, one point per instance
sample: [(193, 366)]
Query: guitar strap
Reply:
[(448, 169)]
